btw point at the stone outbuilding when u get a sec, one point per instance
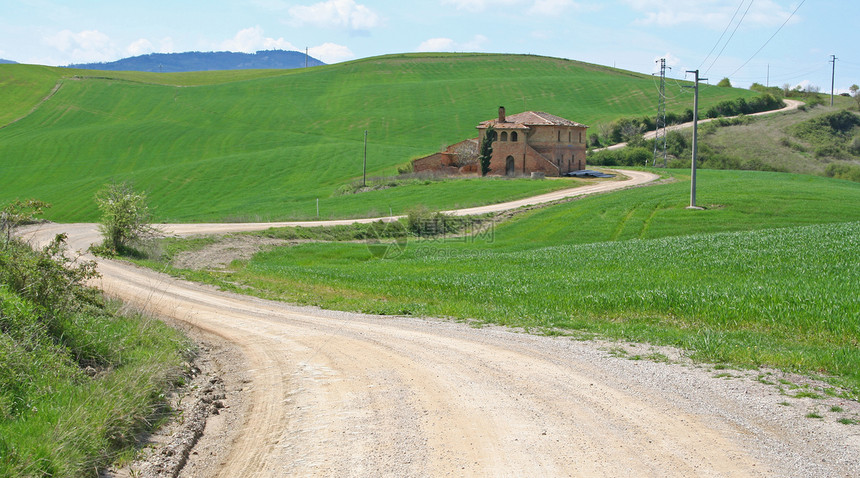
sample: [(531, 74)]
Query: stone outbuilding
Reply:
[(529, 142), (535, 141)]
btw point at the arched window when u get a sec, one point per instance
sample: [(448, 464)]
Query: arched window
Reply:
[(504, 136), (514, 136), (494, 135), (569, 137)]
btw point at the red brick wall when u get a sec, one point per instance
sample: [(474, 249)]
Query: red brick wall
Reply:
[(541, 150)]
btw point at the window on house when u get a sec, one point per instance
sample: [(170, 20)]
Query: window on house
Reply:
[(514, 136), (580, 136), (559, 136), (504, 136), (568, 136)]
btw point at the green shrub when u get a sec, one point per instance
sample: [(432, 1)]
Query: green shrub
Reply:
[(423, 222), (850, 172), (78, 381), (828, 151), (125, 217), (832, 135), (630, 156), (855, 146)]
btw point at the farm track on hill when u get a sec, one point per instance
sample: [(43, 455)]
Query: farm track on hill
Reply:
[(789, 105), (344, 394)]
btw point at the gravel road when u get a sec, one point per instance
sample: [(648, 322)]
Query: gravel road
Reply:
[(341, 394)]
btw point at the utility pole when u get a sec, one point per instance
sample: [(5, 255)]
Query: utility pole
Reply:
[(364, 176), (306, 57), (661, 116), (832, 77), (695, 137)]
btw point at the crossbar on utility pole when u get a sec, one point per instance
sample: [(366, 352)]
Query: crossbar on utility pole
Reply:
[(695, 137), (364, 175)]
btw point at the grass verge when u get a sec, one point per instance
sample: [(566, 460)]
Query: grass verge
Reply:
[(78, 379)]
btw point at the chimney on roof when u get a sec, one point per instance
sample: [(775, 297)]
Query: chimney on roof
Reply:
[(502, 118)]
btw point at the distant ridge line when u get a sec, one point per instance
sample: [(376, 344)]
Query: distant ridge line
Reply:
[(205, 61)]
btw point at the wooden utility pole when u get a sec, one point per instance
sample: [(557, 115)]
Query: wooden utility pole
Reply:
[(695, 137), (364, 176)]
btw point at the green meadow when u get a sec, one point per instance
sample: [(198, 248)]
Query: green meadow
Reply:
[(265, 145), (765, 276)]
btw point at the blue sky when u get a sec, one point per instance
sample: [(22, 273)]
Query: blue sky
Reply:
[(719, 37)]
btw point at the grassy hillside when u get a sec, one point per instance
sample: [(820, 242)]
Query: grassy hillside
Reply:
[(815, 139), (776, 142), (22, 87), (267, 144), (766, 275)]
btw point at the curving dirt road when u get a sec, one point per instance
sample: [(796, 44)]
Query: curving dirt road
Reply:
[(343, 394), (789, 105)]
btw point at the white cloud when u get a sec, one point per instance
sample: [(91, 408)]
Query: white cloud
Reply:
[(252, 39), (477, 5), (272, 5), (549, 7), (436, 44), (808, 85), (534, 7), (714, 14), (83, 47), (672, 62), (140, 47), (331, 53), (166, 45), (337, 14), (447, 44)]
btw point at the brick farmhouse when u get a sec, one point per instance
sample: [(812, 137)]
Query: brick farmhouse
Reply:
[(527, 142)]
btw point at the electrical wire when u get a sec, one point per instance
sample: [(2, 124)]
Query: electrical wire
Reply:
[(657, 88), (771, 37), (723, 34), (787, 75), (730, 37)]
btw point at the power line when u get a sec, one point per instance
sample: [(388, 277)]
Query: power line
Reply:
[(730, 37), (771, 37), (787, 75), (724, 32)]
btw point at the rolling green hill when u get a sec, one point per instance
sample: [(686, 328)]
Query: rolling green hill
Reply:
[(264, 145)]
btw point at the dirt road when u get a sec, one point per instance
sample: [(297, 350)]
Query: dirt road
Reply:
[(342, 394), (789, 105)]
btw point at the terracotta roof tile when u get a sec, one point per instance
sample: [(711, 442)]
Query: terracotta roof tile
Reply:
[(530, 118)]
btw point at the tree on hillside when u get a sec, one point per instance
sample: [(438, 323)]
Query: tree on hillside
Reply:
[(725, 83), (855, 92), (125, 217), (487, 150)]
